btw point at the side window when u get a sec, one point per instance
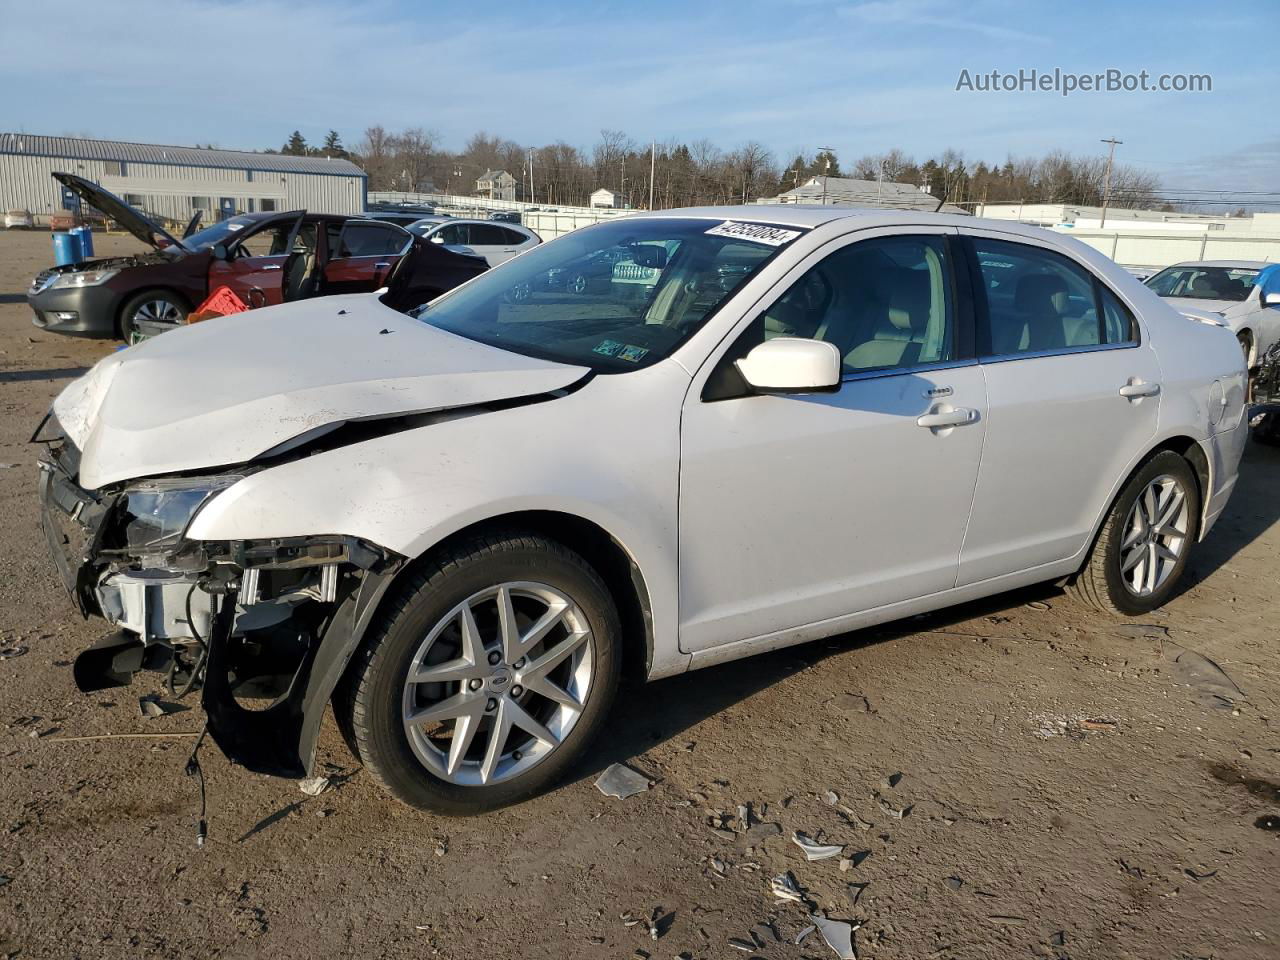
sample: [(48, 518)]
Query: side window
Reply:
[(455, 233), (884, 303), (370, 240), (512, 238), (267, 242), (1117, 322), (1036, 300), (487, 235)]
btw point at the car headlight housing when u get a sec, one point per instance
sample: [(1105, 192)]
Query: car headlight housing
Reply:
[(156, 513), (83, 278)]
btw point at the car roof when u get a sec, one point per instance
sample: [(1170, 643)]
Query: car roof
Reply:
[(500, 223), (814, 215), (1227, 264)]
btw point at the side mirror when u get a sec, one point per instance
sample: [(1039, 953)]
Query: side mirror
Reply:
[(792, 365), (649, 256), (220, 251), (437, 238)]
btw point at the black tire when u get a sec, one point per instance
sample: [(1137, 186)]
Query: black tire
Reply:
[(125, 325), (1100, 583), (375, 685)]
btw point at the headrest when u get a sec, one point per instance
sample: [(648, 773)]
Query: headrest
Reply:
[(909, 297), (1203, 287), (1041, 293)]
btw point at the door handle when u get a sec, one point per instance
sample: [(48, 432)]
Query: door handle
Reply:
[(381, 266), (271, 266), (949, 418), (1137, 389)]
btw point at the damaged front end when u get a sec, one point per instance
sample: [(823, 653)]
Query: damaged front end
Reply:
[(262, 629)]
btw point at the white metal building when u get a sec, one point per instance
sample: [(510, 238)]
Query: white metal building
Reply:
[(174, 182)]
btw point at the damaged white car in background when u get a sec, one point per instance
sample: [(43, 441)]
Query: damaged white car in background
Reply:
[(461, 525)]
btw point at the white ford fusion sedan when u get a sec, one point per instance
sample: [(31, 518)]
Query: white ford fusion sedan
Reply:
[(757, 427)]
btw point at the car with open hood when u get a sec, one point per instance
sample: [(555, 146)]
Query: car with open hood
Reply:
[(460, 524), (1226, 292), (265, 258)]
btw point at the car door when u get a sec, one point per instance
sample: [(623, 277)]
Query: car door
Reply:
[(1073, 388), (255, 262), (362, 255), (796, 509)]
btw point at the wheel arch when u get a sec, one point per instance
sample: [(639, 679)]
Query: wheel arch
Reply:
[(128, 298), (601, 549), (1186, 447)]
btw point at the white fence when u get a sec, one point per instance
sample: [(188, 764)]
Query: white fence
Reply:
[(547, 221), (1130, 247), (1137, 249)]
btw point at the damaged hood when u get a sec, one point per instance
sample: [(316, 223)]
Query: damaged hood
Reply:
[(228, 390)]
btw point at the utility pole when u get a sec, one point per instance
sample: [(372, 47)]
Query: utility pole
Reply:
[(653, 154), (1106, 180), (531, 191), (826, 169)]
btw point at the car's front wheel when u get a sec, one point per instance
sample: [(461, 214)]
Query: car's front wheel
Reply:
[(489, 674), (151, 307), (1142, 549)]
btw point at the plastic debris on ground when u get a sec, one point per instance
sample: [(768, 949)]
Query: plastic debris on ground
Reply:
[(784, 887), (891, 810), (152, 706), (837, 934), (622, 782), (314, 786), (816, 851), (8, 653)]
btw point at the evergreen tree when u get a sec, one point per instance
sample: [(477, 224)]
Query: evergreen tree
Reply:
[(333, 145), (296, 145)]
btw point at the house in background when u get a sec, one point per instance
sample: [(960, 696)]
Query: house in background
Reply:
[(496, 185), (602, 198)]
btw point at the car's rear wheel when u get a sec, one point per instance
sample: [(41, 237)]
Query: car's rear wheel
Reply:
[(489, 674), (152, 306), (1142, 549)]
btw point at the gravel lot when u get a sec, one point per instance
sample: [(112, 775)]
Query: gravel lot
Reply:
[(1073, 786)]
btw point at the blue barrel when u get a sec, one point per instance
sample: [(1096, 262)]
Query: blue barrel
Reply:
[(66, 249), (86, 241)]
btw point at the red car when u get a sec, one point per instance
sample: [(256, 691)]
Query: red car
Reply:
[(265, 258)]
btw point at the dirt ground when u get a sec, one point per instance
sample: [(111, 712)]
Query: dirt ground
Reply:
[(1019, 777)]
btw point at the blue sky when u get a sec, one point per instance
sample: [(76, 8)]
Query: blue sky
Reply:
[(859, 75)]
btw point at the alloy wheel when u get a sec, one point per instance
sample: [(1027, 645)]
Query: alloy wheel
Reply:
[(498, 683), (1155, 536), (158, 310)]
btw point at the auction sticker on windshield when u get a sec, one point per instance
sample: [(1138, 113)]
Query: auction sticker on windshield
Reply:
[(754, 232)]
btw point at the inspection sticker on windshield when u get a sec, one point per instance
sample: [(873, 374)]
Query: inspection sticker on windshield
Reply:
[(631, 353), (754, 232), (608, 348)]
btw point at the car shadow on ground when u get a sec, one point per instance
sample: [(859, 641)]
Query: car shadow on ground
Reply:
[(1253, 509), (13, 298), (670, 707), (58, 373)]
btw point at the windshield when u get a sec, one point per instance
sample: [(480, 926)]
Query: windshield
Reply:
[(616, 296), (1204, 283), (220, 232), (422, 227)]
